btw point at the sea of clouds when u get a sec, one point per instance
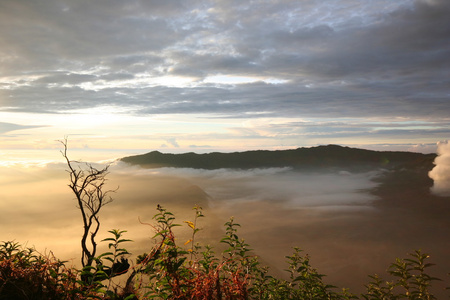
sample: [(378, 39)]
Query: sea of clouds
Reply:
[(333, 215)]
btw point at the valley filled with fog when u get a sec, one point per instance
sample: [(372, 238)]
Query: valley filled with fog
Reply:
[(352, 224)]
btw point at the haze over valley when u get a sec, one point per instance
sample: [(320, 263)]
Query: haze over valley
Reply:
[(352, 223)]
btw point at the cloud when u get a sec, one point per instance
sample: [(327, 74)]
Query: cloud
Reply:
[(441, 172), (8, 127), (173, 142), (280, 186), (371, 60), (383, 52)]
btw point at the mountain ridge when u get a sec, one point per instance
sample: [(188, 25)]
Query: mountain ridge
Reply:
[(324, 156)]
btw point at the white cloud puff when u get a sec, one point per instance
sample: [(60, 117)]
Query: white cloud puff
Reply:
[(441, 172)]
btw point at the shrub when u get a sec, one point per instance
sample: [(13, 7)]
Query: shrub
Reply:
[(172, 272), (191, 271), (410, 280), (26, 274)]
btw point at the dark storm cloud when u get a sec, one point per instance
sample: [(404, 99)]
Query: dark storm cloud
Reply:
[(340, 59)]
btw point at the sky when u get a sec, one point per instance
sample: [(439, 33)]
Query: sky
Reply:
[(128, 77)]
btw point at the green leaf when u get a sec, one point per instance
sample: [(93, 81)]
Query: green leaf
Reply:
[(110, 259), (108, 239), (105, 254), (123, 240)]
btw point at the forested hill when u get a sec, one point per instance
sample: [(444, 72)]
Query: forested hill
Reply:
[(302, 158)]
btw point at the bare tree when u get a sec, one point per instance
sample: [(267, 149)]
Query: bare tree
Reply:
[(87, 183)]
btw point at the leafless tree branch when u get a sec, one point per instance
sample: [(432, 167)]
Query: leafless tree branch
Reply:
[(87, 183)]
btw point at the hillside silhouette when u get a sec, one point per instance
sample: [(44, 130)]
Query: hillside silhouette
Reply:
[(330, 156)]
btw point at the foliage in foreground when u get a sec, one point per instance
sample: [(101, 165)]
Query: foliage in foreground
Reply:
[(191, 271)]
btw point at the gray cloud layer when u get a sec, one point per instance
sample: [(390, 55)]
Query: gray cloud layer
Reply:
[(8, 127), (340, 59)]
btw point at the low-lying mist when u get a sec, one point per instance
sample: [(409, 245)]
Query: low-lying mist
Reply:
[(349, 226)]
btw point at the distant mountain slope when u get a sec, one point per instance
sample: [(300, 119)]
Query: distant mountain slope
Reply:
[(330, 156)]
